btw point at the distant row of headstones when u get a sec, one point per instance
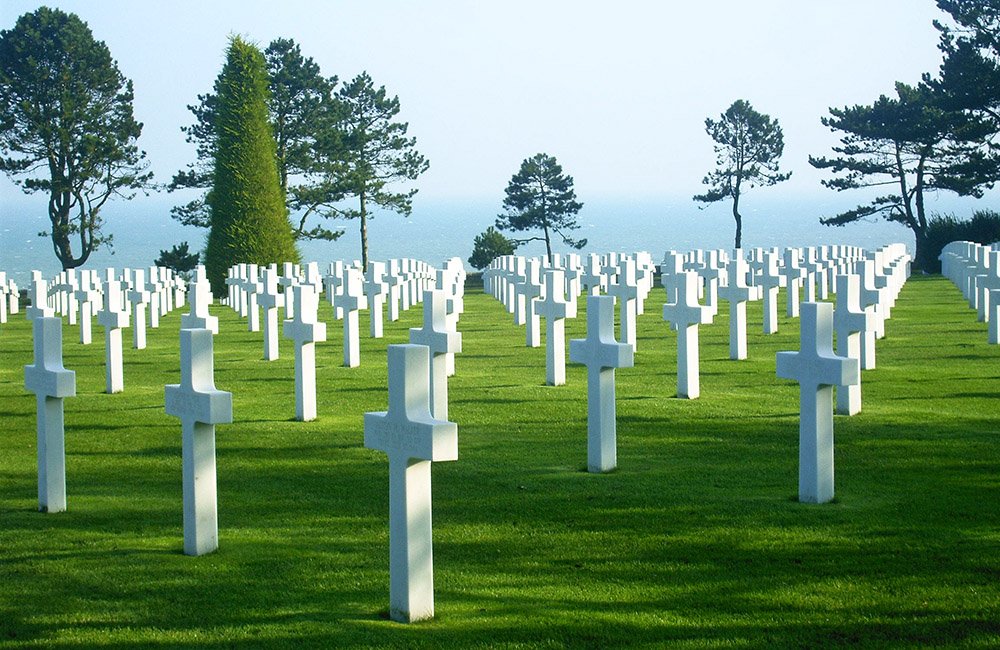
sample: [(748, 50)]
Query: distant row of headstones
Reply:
[(414, 431), (975, 269)]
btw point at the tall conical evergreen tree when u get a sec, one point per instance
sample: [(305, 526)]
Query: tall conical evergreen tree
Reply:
[(248, 213)]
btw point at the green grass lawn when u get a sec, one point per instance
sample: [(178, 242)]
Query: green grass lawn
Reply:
[(697, 540)]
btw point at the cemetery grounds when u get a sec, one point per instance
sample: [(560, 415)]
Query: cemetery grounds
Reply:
[(696, 540)]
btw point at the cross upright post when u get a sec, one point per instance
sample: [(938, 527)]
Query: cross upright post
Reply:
[(113, 317), (602, 354), (138, 297), (201, 297), (527, 290), (771, 281), (349, 301), (51, 383), (794, 275), (376, 289), (306, 331), (685, 316), (200, 407), (413, 439), (555, 309), (737, 293), (850, 322), (252, 288), (626, 289), (270, 301), (818, 370), (441, 340)]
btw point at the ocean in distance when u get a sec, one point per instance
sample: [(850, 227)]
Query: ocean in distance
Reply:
[(443, 228)]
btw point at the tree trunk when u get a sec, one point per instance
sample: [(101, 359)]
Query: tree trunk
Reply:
[(739, 220), (548, 244), (364, 230)]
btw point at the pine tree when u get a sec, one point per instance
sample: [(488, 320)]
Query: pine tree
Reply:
[(248, 215)]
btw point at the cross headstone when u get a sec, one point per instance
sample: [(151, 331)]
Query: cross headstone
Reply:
[(138, 297), (601, 354), (252, 288), (685, 315), (39, 298), (349, 302), (376, 289), (51, 383), (113, 317), (200, 406), (270, 301), (794, 275), (737, 293), (86, 297), (200, 298), (413, 439), (850, 322), (818, 370), (306, 331), (441, 340), (626, 289), (527, 290), (770, 282), (555, 310)]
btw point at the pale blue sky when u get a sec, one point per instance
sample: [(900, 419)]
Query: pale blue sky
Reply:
[(617, 91)]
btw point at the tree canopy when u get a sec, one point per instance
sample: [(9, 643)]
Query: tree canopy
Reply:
[(67, 127), (541, 197), (488, 246), (748, 146), (249, 221), (371, 153), (302, 110), (909, 145)]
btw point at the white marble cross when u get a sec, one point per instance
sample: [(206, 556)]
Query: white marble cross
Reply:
[(200, 292), (252, 288), (270, 301), (154, 289), (306, 331), (113, 317), (441, 340), (138, 297), (850, 322), (555, 309), (685, 315), (86, 298), (51, 383), (818, 370), (413, 439), (737, 293), (349, 301), (626, 289), (39, 298), (200, 406), (377, 290), (794, 275), (527, 290), (601, 353), (770, 282)]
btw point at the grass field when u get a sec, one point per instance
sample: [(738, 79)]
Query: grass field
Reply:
[(697, 540)]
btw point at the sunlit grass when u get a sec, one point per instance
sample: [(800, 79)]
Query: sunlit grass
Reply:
[(695, 541)]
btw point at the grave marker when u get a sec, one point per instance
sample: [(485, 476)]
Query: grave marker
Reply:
[(412, 439), (818, 370), (441, 340), (200, 407), (602, 354), (306, 331), (685, 316)]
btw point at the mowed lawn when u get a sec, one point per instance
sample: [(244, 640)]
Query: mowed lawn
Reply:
[(697, 540)]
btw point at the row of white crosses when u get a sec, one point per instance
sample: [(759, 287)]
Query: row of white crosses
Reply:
[(975, 270), (9, 297)]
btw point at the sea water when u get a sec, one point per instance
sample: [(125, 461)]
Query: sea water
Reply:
[(442, 228)]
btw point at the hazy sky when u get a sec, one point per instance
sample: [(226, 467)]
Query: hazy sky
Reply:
[(617, 91)]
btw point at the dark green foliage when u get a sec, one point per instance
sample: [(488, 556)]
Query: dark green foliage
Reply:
[(246, 207), (179, 259), (488, 246), (913, 144), (747, 146), (302, 110), (369, 152), (66, 125), (983, 228), (541, 197)]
